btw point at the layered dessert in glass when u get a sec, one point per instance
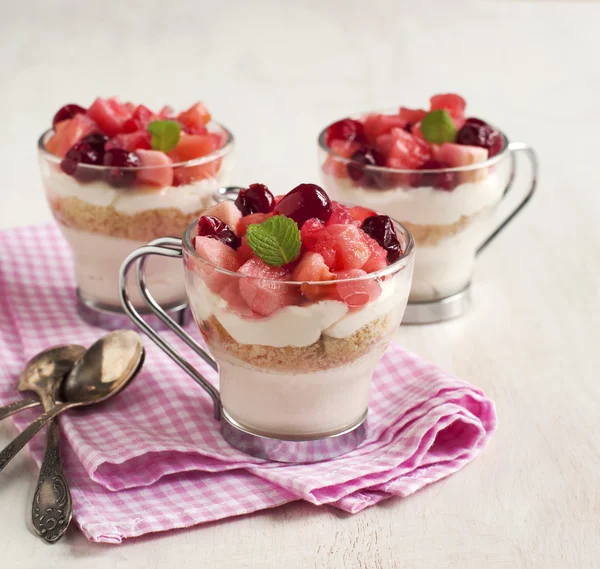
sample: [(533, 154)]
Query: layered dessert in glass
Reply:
[(438, 171), (118, 175), (297, 297)]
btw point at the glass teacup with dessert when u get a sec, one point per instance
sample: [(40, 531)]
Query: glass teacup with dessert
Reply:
[(297, 297)]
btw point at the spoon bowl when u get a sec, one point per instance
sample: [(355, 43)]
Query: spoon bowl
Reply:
[(105, 369)]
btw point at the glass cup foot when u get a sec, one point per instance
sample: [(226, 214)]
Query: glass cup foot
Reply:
[(293, 450), (427, 312), (114, 318)]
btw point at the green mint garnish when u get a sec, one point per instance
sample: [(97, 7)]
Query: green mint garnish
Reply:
[(276, 241), (438, 127), (165, 134)]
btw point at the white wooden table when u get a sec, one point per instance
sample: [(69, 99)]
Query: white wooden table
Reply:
[(275, 74)]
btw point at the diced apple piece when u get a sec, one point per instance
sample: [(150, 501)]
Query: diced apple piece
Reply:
[(457, 155), (357, 293), (69, 132), (260, 289), (227, 212), (159, 172), (216, 254)]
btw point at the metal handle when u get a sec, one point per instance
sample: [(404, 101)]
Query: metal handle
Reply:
[(52, 503), (17, 406), (227, 193), (11, 450), (165, 247), (515, 147)]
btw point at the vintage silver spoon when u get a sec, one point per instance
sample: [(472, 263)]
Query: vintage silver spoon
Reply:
[(52, 505), (48, 367), (104, 370)]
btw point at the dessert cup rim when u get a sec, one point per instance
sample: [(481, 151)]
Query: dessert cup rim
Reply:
[(385, 169), (219, 153), (396, 266)]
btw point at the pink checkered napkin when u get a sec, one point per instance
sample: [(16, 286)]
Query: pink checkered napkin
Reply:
[(153, 460)]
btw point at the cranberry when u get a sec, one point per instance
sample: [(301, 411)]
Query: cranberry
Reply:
[(256, 199), (304, 202), (120, 159), (476, 132), (213, 227), (381, 228), (358, 169), (441, 180), (97, 140), (76, 159), (67, 112), (347, 129)]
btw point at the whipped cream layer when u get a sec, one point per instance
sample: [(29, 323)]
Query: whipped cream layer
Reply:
[(300, 326), (423, 206), (187, 199)]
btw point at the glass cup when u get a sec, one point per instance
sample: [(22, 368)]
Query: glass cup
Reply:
[(105, 213), (300, 374), (451, 213)]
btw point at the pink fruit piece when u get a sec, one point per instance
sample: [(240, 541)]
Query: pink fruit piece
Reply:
[(309, 231), (244, 252), (411, 116), (377, 125), (140, 119), (312, 268), (156, 168), (110, 115), (227, 213), (195, 119), (359, 213), (458, 155), (214, 254), (166, 112), (253, 218), (347, 130), (333, 165), (131, 141), (341, 246), (257, 198), (190, 147), (261, 289), (70, 132), (231, 294), (304, 202), (451, 102), (407, 151), (379, 257), (340, 215), (357, 293), (67, 112)]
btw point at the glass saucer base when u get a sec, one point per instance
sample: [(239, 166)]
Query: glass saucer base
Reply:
[(110, 317), (428, 312), (292, 450)]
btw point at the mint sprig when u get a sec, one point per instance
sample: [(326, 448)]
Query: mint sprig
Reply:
[(276, 241), (165, 134), (438, 127)]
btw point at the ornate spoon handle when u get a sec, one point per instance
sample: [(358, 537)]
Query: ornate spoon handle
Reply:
[(17, 406), (10, 451), (52, 505)]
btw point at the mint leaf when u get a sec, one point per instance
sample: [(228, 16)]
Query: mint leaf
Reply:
[(165, 134), (276, 241), (438, 127)]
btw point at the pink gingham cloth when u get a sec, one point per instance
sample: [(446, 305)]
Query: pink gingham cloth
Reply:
[(153, 459)]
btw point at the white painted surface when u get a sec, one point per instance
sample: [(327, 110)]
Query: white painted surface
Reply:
[(274, 72)]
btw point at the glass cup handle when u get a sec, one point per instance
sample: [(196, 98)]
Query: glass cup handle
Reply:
[(164, 247), (515, 147)]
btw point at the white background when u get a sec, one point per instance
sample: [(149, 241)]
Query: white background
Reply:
[(275, 72)]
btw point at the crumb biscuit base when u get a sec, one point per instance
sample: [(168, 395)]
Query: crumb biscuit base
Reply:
[(142, 226), (325, 353)]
